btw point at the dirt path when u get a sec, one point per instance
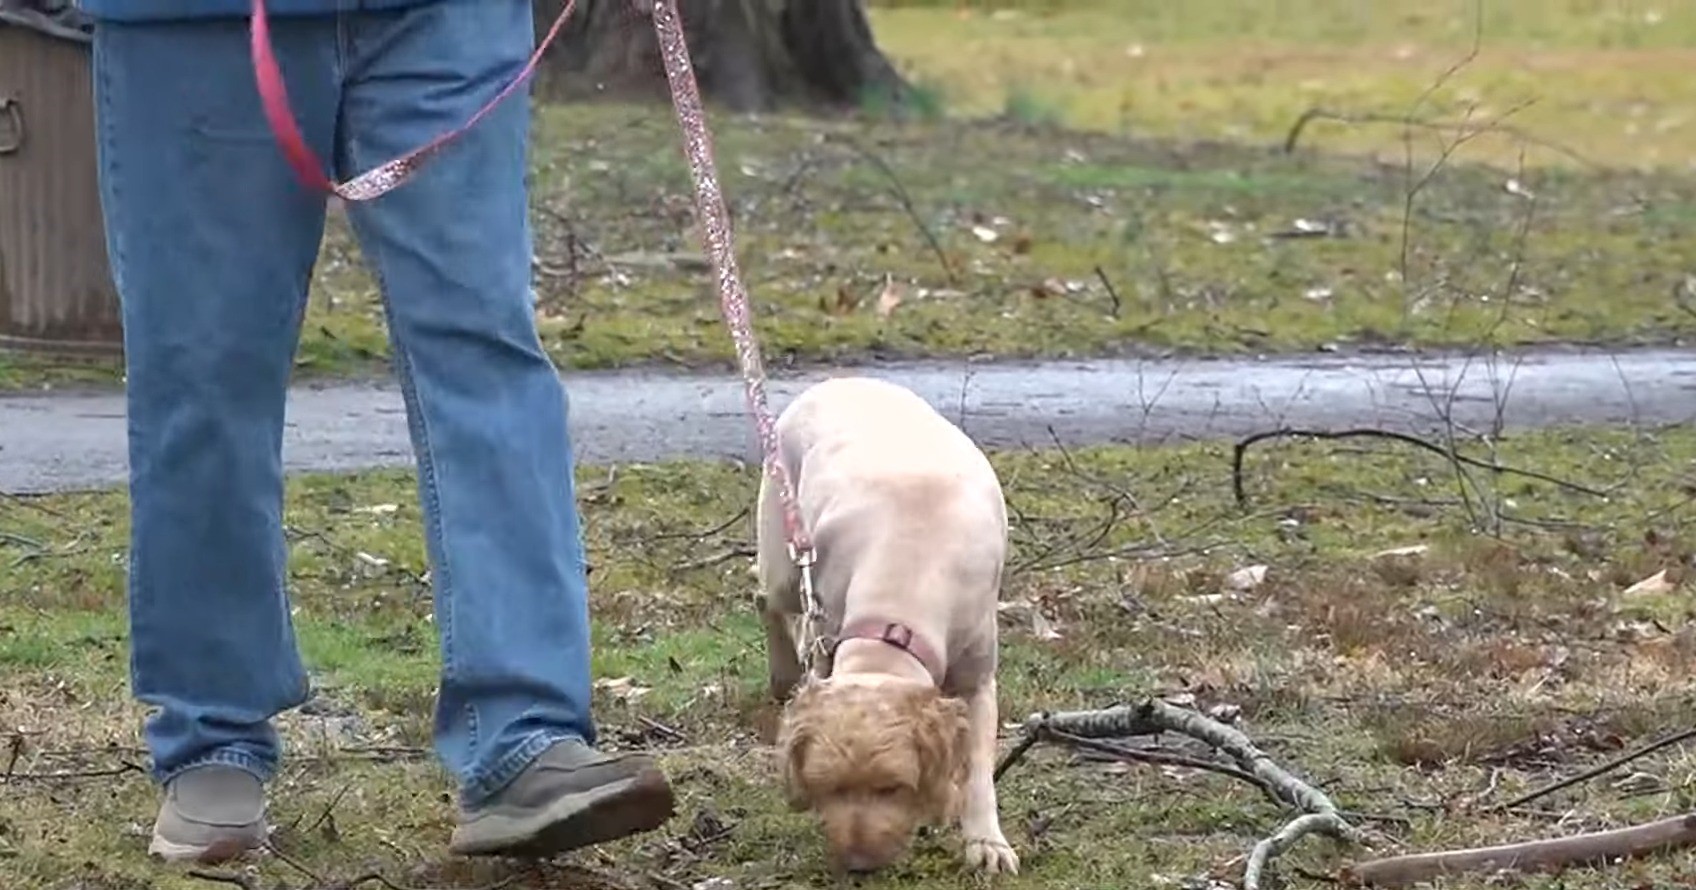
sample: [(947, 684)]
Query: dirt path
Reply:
[(64, 442)]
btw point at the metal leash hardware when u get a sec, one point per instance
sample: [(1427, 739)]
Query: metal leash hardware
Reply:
[(383, 178), (818, 644), (714, 223), (12, 137)]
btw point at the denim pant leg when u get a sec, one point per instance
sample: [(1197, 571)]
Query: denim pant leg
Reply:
[(212, 244), (487, 410)]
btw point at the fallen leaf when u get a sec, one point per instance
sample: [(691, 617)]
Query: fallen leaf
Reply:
[(1220, 232), (1042, 627), (621, 688), (1022, 244), (889, 298), (1639, 783), (1225, 712), (1246, 578), (1652, 585), (1049, 287), (845, 303)]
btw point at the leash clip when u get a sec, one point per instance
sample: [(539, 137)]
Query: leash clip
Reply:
[(802, 557), (818, 646), (12, 111)]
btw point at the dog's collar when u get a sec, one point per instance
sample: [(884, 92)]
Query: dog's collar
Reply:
[(895, 634)]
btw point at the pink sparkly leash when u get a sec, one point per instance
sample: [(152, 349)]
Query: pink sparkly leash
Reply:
[(709, 207)]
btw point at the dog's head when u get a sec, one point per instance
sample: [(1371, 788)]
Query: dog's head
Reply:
[(874, 759)]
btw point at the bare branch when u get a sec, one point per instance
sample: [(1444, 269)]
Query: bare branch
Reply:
[(716, 559), (1161, 758), (1459, 128), (1152, 717), (123, 768), (1604, 769), (906, 203), (1112, 292), (1293, 831), (1242, 446), (1545, 855), (246, 882)]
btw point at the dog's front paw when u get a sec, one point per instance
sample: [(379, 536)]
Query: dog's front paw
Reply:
[(991, 855)]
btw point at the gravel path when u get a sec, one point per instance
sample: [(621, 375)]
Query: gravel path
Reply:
[(56, 442)]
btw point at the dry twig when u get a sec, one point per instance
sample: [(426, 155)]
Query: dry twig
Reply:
[(1160, 758), (1112, 292), (906, 200), (1293, 137), (246, 882), (1604, 769), (123, 768), (1237, 454), (716, 559)]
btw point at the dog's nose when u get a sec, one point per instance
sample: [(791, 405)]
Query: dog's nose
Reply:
[(859, 862)]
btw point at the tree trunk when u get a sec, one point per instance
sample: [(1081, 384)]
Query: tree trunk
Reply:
[(749, 55)]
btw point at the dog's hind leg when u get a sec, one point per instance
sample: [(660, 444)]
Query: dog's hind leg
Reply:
[(779, 599)]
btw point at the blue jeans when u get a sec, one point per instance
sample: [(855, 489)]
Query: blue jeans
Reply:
[(213, 240)]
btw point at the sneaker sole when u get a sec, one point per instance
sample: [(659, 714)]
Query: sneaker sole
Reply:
[(612, 812), (207, 854)]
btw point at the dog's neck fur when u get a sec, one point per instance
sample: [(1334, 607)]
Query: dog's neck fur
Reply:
[(867, 657)]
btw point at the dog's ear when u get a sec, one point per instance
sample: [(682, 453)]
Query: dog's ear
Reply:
[(795, 737), (942, 737)]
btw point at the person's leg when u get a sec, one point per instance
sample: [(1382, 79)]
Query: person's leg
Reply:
[(452, 250), (212, 244)]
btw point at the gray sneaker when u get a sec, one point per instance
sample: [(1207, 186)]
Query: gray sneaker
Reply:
[(210, 814), (571, 796)]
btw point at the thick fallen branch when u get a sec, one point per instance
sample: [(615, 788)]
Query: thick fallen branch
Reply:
[(1545, 855), (1153, 717)]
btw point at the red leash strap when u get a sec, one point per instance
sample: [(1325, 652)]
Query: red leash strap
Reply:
[(378, 180), (715, 237), (709, 203)]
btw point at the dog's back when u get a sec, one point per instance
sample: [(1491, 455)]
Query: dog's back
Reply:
[(875, 430), (899, 501)]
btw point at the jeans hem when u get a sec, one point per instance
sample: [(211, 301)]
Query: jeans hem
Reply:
[(483, 784), (247, 763)]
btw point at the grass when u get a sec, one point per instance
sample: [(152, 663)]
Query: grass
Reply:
[(1598, 79), (1423, 687), (1136, 138)]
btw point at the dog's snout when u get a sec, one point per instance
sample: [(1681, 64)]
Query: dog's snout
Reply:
[(859, 862), (862, 844), (866, 859)]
